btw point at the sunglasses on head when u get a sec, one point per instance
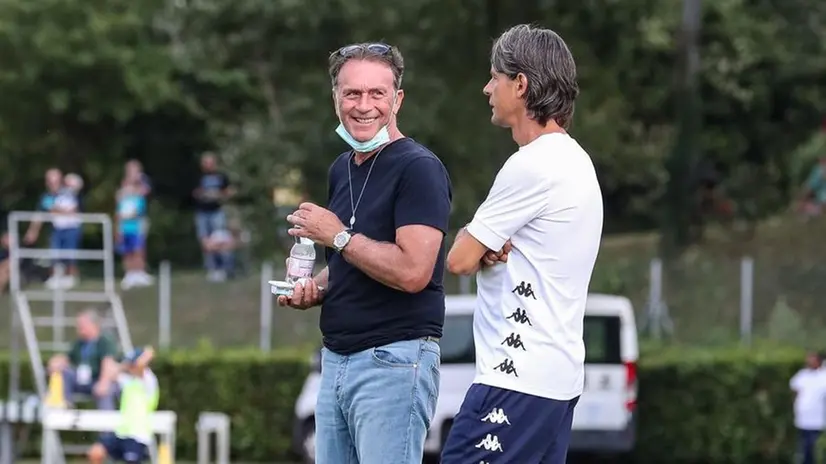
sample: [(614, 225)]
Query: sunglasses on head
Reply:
[(377, 48)]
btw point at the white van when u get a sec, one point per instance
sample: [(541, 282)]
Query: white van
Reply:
[(604, 419)]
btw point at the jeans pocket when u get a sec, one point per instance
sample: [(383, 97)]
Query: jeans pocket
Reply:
[(400, 354)]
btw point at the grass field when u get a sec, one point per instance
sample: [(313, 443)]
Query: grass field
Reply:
[(702, 291)]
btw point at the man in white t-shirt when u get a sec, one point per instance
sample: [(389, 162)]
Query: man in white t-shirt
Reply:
[(809, 386), (533, 244)]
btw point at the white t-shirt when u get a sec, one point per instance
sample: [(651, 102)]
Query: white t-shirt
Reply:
[(810, 399), (529, 311)]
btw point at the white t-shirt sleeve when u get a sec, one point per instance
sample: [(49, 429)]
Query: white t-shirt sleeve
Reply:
[(795, 382), (519, 194)]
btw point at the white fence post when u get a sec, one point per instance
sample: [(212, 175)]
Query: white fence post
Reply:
[(746, 299), (266, 307), (164, 305)]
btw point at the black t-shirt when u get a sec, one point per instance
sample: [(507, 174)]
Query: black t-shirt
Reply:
[(408, 185), (211, 185)]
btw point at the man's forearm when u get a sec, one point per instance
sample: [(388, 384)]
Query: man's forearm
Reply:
[(474, 268), (34, 227), (108, 369), (384, 262)]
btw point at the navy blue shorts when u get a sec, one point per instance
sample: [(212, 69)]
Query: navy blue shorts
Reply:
[(131, 243), (126, 450), (495, 426)]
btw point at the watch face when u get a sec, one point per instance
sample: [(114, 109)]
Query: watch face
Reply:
[(341, 239)]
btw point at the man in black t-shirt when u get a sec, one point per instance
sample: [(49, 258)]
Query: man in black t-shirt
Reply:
[(212, 191), (382, 299)]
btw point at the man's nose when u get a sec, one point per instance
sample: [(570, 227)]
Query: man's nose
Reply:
[(364, 103)]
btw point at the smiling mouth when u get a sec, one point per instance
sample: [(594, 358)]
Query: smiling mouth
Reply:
[(366, 120)]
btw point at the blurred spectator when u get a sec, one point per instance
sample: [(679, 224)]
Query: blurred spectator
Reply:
[(134, 171), (242, 239), (89, 367), (809, 386), (131, 232), (212, 191), (221, 243), (63, 198), (813, 195), (54, 181)]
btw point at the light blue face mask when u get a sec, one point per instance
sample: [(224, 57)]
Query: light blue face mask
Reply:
[(381, 137)]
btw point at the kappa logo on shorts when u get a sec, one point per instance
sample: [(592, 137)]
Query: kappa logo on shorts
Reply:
[(490, 443), (496, 416)]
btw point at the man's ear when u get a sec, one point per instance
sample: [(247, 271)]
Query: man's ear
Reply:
[(335, 102), (521, 83), (399, 101)]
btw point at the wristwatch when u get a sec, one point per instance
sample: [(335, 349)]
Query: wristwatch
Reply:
[(342, 239)]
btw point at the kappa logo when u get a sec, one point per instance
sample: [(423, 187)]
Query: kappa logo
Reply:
[(490, 443), (496, 416), (524, 289), (520, 316), (506, 366), (514, 340)]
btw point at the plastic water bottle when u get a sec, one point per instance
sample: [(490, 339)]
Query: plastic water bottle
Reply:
[(302, 260)]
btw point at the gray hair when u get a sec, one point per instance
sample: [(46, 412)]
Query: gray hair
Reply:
[(91, 314), (545, 60), (392, 57)]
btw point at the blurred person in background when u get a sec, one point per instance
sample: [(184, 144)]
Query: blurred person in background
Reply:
[(54, 182), (212, 192), (67, 228), (134, 170), (138, 401), (813, 194), (809, 387), (90, 366), (131, 232), (543, 216), (221, 243), (383, 306)]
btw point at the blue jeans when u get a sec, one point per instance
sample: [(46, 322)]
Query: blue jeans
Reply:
[(65, 239), (808, 440), (207, 222), (375, 406), (70, 387)]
